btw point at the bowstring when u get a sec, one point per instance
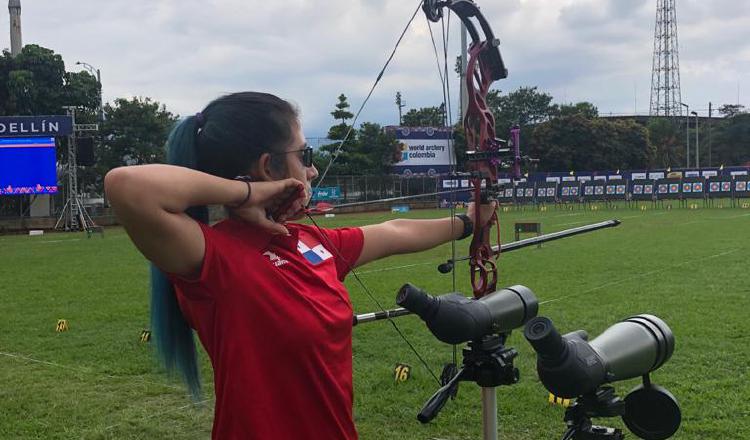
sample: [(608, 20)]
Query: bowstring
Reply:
[(448, 120), (372, 297), (340, 147), (334, 157)]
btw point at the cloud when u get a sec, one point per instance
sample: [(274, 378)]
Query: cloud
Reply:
[(185, 53)]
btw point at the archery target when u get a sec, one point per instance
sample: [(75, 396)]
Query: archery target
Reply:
[(637, 189), (697, 187)]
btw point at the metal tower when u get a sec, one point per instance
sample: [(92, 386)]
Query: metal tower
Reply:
[(665, 70), (74, 216), (14, 7)]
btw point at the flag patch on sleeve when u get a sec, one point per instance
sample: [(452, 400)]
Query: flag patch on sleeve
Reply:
[(313, 252)]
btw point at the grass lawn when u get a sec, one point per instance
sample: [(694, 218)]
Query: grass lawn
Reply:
[(97, 380)]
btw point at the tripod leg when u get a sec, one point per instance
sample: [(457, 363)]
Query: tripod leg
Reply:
[(489, 413)]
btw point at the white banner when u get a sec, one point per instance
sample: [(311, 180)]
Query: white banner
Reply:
[(428, 152)]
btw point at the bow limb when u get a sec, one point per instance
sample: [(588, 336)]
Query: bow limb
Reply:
[(484, 150)]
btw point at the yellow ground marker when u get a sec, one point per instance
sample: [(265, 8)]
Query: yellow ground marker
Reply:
[(62, 325)]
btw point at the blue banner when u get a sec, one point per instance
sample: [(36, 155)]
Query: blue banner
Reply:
[(328, 193), (24, 126)]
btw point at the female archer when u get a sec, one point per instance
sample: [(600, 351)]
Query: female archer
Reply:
[(264, 295)]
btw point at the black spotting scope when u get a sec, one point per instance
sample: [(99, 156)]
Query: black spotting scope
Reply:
[(570, 365), (453, 318)]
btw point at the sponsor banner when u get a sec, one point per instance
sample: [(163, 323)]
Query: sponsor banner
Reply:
[(424, 149), (638, 176), (655, 175), (329, 193), (569, 178), (23, 126), (553, 179)]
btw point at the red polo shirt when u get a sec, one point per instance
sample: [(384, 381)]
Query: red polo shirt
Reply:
[(276, 321)]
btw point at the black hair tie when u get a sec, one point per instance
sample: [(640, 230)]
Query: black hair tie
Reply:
[(200, 120)]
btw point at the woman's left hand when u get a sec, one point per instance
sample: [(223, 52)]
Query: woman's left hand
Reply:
[(485, 212)]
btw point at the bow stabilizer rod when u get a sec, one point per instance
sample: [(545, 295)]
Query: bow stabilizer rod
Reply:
[(515, 245)]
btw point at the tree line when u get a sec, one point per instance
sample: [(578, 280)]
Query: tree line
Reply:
[(562, 136)]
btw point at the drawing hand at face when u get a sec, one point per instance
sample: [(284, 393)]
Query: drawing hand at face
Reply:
[(271, 203)]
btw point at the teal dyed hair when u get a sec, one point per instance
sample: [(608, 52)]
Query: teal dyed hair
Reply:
[(237, 129)]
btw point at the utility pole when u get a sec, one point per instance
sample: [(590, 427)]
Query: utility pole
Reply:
[(687, 134), (697, 144), (709, 134), (400, 105)]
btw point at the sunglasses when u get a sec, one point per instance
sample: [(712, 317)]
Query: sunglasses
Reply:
[(307, 155)]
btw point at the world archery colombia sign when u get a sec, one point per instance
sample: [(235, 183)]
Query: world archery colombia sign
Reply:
[(24, 126), (423, 150)]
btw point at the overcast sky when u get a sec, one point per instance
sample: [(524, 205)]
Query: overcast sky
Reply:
[(183, 53)]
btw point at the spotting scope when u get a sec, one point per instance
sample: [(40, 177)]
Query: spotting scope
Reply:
[(570, 365), (453, 318)]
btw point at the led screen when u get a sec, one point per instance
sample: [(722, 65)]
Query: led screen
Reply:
[(27, 166)]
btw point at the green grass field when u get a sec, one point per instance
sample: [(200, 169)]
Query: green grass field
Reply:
[(97, 380)]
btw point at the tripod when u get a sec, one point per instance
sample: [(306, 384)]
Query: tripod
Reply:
[(601, 403), (489, 364)]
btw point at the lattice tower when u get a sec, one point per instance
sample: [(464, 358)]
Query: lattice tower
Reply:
[(665, 70)]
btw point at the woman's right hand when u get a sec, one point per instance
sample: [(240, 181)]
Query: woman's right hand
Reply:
[(270, 203)]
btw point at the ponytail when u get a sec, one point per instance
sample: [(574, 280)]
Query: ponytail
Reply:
[(175, 344), (235, 130)]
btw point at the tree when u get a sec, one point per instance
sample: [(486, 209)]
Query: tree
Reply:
[(730, 110), (425, 117), (35, 83), (378, 146), (341, 111), (585, 109), (525, 106), (134, 133), (578, 143), (666, 137), (731, 144)]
